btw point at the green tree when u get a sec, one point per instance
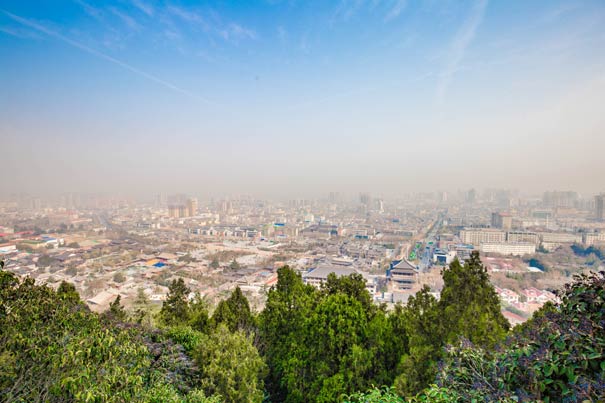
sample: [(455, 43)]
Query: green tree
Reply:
[(234, 265), (425, 343), (282, 331), (469, 306), (230, 366), (175, 309), (198, 314), (119, 277), (234, 312), (116, 311), (67, 292), (215, 264)]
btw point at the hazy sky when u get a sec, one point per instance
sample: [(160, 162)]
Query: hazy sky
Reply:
[(301, 97)]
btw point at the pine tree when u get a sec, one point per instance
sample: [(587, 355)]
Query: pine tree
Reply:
[(469, 306), (116, 311), (175, 309), (234, 312)]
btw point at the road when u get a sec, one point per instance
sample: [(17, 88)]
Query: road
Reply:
[(430, 240)]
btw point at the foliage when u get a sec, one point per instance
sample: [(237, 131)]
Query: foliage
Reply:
[(418, 365), (119, 277), (116, 311), (230, 366), (234, 312), (307, 345), (175, 309), (581, 251), (375, 395), (323, 344), (198, 314), (234, 265), (469, 307), (556, 356)]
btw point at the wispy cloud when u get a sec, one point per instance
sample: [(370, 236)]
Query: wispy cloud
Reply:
[(19, 33), (236, 32), (144, 7), (396, 10), (189, 16), (92, 11), (126, 19), (212, 23), (346, 9), (462, 39), (49, 32)]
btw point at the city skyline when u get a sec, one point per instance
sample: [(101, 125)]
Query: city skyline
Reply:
[(297, 99)]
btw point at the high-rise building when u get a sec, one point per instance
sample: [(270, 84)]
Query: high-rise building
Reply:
[(502, 220), (559, 199), (599, 204), (471, 195), (477, 236), (192, 207)]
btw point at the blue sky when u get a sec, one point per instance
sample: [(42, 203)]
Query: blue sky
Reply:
[(301, 97)]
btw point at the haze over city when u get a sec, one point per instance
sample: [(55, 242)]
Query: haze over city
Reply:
[(296, 98)]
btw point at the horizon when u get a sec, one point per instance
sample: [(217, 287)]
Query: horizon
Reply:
[(287, 99)]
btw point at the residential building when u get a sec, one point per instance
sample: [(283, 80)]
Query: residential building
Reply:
[(560, 237), (502, 220), (477, 236), (522, 236), (506, 248)]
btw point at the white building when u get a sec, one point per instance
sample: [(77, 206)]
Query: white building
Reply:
[(505, 248), (477, 236)]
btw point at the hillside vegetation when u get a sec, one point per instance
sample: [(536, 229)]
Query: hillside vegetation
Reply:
[(307, 345)]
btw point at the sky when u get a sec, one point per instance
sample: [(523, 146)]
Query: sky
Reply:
[(300, 98)]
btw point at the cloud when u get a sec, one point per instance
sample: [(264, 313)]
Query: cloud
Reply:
[(346, 9), (144, 7), (19, 33), (126, 19), (236, 32), (463, 38), (41, 28), (228, 31), (397, 9), (94, 12), (189, 16)]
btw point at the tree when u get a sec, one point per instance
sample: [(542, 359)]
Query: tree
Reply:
[(230, 366), (556, 356), (67, 292), (119, 277), (116, 311), (142, 300), (175, 309), (234, 265), (425, 341), (199, 319), (353, 285), (234, 312), (215, 264), (469, 306), (282, 330)]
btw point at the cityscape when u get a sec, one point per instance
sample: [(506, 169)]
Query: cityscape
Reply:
[(107, 246), (286, 201)]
